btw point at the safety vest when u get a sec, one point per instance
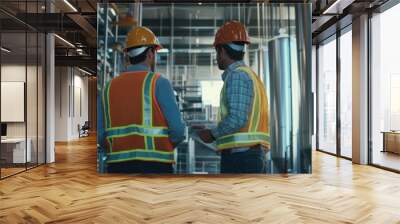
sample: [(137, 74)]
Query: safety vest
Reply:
[(256, 131), (135, 127)]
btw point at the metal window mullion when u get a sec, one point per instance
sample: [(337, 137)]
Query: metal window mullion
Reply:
[(369, 97), (26, 86), (37, 90), (317, 97), (45, 91), (338, 95)]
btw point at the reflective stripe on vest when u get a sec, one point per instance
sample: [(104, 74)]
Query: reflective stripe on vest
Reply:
[(140, 154), (106, 106), (148, 108), (146, 129), (136, 129), (251, 136)]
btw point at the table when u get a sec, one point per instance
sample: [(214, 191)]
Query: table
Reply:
[(13, 150), (391, 141)]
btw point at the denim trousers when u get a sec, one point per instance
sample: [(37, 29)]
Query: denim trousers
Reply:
[(250, 161)]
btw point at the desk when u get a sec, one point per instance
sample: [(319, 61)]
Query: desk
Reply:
[(391, 141), (13, 150)]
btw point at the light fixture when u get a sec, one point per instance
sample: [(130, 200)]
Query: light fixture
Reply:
[(79, 51), (200, 3), (70, 5), (5, 50), (328, 10), (65, 41), (84, 71), (164, 50)]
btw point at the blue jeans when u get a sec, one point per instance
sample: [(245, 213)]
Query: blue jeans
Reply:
[(250, 161)]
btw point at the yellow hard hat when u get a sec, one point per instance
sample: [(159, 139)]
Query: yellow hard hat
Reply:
[(142, 36)]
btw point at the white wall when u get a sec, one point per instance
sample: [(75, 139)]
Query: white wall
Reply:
[(16, 73), (61, 103), (79, 117), (71, 87)]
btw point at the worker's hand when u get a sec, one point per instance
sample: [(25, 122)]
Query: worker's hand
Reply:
[(206, 135)]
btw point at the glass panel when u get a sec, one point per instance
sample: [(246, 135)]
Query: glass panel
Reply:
[(23, 84), (346, 94), (327, 97), (32, 98), (41, 99), (13, 93), (386, 89)]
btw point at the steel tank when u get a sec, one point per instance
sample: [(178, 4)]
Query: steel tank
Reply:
[(280, 94), (288, 80)]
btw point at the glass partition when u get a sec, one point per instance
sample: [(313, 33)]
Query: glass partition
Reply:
[(385, 89), (327, 96), (346, 93), (32, 99), (13, 103), (22, 90)]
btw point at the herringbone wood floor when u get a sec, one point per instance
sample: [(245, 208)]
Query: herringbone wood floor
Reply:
[(70, 191)]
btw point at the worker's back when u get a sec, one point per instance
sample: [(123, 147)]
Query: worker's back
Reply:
[(135, 126)]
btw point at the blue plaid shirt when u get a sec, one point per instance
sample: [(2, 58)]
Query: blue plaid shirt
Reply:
[(239, 96)]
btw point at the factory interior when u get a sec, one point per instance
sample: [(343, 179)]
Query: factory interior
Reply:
[(188, 60)]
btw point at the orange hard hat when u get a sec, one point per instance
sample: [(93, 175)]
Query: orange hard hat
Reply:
[(230, 32), (142, 36)]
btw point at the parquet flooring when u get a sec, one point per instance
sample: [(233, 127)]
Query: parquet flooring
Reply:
[(70, 191), (10, 171)]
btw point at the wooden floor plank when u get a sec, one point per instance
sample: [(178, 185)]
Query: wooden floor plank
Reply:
[(70, 191)]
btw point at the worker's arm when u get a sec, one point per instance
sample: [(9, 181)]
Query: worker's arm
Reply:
[(239, 96), (166, 99)]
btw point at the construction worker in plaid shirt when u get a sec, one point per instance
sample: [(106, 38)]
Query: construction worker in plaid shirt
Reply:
[(242, 134)]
